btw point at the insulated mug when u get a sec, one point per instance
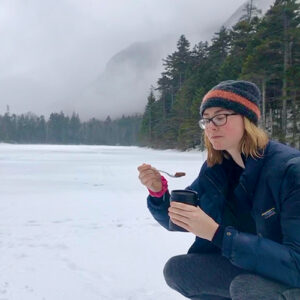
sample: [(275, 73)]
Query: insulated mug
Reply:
[(183, 196)]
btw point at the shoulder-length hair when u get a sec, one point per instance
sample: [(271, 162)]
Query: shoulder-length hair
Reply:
[(253, 143)]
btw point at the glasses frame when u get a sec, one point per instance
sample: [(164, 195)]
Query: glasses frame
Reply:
[(205, 121)]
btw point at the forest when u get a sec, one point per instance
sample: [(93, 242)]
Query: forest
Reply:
[(62, 129), (262, 49)]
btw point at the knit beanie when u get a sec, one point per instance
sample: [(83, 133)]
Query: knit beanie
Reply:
[(243, 97)]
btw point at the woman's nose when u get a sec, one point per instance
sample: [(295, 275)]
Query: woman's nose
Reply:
[(211, 126)]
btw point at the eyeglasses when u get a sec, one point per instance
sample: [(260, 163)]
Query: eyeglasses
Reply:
[(217, 120)]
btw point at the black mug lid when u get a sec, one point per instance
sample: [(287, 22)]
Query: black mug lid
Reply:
[(184, 196)]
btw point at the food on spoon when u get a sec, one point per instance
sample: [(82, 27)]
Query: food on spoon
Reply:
[(179, 174)]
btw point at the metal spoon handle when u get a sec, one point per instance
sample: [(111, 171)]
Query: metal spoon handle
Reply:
[(176, 175), (170, 175)]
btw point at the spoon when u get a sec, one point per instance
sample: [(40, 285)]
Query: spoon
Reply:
[(176, 175)]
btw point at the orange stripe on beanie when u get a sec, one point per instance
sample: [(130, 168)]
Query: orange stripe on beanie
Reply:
[(242, 97), (233, 97)]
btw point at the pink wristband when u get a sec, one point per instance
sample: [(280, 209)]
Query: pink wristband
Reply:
[(159, 194)]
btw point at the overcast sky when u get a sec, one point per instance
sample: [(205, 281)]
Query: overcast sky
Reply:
[(53, 48)]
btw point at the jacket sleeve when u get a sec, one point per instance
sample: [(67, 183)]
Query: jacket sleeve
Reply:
[(266, 257), (158, 207)]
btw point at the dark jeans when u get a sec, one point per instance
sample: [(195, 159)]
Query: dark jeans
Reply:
[(213, 277)]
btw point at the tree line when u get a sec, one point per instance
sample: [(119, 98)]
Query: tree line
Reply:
[(263, 49), (62, 129)]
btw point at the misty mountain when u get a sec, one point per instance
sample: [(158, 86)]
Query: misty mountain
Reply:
[(125, 84)]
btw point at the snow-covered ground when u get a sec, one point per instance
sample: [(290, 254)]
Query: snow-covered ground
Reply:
[(74, 223)]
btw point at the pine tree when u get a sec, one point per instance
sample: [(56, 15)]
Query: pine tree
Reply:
[(251, 11), (218, 52), (148, 119), (240, 36), (74, 129), (176, 63)]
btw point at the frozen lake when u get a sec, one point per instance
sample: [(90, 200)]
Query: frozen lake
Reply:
[(74, 223)]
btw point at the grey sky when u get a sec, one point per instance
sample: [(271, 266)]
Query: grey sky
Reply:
[(50, 49)]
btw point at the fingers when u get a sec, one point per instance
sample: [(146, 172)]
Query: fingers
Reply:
[(183, 218), (180, 212), (181, 224), (147, 175), (147, 171), (184, 212), (183, 206), (144, 167), (179, 217), (150, 177)]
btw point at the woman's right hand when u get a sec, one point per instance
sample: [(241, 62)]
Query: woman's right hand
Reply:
[(150, 177)]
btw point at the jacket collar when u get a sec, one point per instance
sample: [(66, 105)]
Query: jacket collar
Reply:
[(247, 183), (251, 174)]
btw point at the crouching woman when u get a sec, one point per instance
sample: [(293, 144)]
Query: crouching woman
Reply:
[(247, 223)]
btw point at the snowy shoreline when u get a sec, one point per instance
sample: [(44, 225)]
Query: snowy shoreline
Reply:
[(74, 222)]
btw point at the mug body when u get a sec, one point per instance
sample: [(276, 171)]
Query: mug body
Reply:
[(184, 196)]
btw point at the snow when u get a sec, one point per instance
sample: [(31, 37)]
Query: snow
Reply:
[(74, 223)]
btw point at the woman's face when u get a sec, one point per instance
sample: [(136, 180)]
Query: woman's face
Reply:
[(226, 137)]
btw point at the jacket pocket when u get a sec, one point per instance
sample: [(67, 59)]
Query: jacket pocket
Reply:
[(268, 225), (269, 213)]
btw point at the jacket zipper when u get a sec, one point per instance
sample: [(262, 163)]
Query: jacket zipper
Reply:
[(243, 188), (213, 184)]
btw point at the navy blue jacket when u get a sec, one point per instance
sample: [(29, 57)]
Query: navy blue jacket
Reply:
[(270, 186)]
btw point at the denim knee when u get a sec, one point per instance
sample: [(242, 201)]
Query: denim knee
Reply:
[(252, 286), (291, 294), (169, 271), (237, 286)]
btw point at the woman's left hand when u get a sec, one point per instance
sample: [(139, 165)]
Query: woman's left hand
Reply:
[(193, 219)]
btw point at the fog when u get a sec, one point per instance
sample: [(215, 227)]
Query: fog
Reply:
[(63, 54)]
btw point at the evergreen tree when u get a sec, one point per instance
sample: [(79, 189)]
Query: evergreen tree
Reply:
[(148, 119), (218, 52), (241, 38), (177, 63), (251, 11), (57, 128), (74, 129)]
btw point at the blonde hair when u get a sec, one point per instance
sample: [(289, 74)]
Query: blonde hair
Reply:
[(252, 143)]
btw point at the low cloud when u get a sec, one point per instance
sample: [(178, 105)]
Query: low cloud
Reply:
[(54, 54)]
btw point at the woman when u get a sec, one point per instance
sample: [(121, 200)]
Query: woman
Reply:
[(247, 224)]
